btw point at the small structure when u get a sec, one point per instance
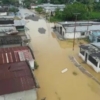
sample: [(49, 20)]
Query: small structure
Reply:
[(16, 54), (90, 53), (50, 8), (17, 82), (10, 41), (83, 29), (3, 11), (94, 36)]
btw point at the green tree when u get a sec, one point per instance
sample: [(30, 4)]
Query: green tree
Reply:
[(39, 10), (14, 10), (68, 13)]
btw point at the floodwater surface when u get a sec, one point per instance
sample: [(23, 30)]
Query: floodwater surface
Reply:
[(52, 57)]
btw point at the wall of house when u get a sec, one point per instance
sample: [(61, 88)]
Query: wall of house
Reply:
[(3, 13), (71, 35), (93, 66), (83, 57), (25, 95), (96, 68), (58, 29)]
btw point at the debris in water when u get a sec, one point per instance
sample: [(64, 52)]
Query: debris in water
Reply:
[(63, 71), (44, 98)]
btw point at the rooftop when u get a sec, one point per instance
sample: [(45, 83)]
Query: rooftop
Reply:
[(81, 26), (15, 77), (93, 49), (6, 40), (15, 54)]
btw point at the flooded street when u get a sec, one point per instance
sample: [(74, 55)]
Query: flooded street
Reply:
[(52, 57)]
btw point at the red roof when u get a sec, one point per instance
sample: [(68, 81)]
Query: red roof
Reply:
[(15, 54), (15, 77)]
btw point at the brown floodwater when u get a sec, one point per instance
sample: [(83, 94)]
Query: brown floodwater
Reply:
[(52, 57)]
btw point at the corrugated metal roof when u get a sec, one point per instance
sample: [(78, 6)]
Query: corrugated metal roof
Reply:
[(6, 40), (15, 54), (15, 77)]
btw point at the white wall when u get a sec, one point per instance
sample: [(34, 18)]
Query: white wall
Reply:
[(71, 35), (93, 66), (34, 7), (83, 57), (3, 13), (25, 95)]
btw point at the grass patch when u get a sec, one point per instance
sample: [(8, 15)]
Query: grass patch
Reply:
[(36, 65), (75, 73)]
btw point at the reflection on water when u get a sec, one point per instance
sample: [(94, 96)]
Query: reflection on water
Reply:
[(52, 57)]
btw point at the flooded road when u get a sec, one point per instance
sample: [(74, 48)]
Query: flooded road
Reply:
[(52, 57)]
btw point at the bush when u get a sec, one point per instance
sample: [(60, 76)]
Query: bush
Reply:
[(36, 65), (39, 10)]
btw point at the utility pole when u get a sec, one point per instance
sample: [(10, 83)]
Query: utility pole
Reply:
[(76, 14)]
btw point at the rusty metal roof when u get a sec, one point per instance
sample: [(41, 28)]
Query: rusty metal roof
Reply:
[(15, 54), (16, 77)]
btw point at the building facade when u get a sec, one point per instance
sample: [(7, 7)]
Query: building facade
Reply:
[(81, 29), (90, 54)]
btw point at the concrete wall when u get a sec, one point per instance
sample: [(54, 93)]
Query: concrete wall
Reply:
[(24, 95), (96, 68), (83, 57), (3, 13), (71, 35)]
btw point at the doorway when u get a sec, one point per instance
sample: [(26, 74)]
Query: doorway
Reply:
[(86, 57), (61, 30)]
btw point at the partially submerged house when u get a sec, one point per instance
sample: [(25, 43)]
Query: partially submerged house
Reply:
[(83, 29), (90, 53), (17, 81)]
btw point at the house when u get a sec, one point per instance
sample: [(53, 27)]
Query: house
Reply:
[(9, 26), (16, 54), (94, 36), (90, 53), (17, 81), (50, 8), (83, 29)]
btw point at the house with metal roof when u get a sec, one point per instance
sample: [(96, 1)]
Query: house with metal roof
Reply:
[(10, 41), (16, 54), (17, 82), (90, 53), (81, 29)]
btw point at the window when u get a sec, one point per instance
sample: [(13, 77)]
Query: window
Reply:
[(82, 52), (92, 60), (98, 39), (82, 33)]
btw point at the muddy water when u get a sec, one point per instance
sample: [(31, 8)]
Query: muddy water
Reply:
[(52, 57)]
